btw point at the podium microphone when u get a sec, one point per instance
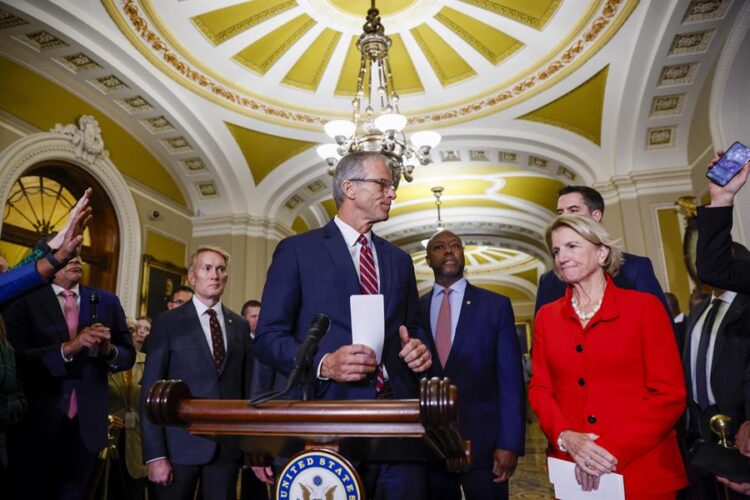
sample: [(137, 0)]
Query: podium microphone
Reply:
[(303, 361), (94, 302)]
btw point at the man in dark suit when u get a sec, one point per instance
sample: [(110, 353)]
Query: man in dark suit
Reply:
[(474, 343), (205, 345), (636, 273), (317, 272), (679, 320), (63, 360), (715, 359)]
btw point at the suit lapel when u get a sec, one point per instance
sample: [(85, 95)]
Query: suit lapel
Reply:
[(233, 337), (465, 317), (384, 268), (692, 319), (84, 310), (50, 305), (736, 308), (334, 243), (426, 306), (193, 326)]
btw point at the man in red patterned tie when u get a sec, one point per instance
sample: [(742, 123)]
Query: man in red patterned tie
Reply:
[(205, 345), (316, 273), (476, 346), (64, 354)]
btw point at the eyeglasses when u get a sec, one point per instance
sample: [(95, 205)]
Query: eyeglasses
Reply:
[(383, 183)]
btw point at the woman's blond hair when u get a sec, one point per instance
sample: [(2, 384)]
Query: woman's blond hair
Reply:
[(594, 233)]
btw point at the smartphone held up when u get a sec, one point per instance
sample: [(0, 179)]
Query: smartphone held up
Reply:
[(729, 164)]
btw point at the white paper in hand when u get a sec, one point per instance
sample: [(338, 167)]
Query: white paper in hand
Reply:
[(368, 322), (563, 477)]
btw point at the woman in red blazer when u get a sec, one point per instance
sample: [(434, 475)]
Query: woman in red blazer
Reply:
[(608, 386)]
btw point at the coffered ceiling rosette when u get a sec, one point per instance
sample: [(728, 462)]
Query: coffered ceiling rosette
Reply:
[(452, 60)]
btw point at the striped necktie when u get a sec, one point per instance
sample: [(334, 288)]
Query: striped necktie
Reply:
[(368, 285)]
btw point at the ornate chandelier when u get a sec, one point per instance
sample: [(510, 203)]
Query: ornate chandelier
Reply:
[(382, 130)]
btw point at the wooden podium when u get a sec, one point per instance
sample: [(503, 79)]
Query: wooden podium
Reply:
[(363, 429)]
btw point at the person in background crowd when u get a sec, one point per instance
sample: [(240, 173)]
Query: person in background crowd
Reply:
[(678, 319), (180, 295), (636, 273), (715, 359), (12, 405), (473, 341), (205, 345), (124, 400), (63, 360), (717, 266), (318, 272), (608, 386)]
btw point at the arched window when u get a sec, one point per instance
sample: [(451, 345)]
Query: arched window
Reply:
[(38, 203)]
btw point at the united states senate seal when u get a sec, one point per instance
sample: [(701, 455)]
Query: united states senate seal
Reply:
[(318, 475)]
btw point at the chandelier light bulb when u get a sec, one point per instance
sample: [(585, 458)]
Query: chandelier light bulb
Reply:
[(339, 128), (390, 121), (425, 139), (328, 151)]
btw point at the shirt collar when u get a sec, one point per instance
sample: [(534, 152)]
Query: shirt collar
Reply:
[(349, 233), (728, 296), (58, 289), (458, 286), (201, 308)]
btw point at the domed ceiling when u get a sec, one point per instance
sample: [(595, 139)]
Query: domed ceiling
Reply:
[(230, 97)]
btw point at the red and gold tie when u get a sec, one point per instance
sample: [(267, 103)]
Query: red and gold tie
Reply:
[(368, 285), (217, 339)]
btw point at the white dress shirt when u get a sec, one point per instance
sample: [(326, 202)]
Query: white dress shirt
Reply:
[(456, 299), (726, 299), (350, 237), (204, 318)]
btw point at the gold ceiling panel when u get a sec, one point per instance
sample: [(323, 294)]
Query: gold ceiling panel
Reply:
[(458, 187), (262, 54), (479, 258), (222, 24), (539, 190), (460, 203), (447, 64), (493, 44), (529, 275), (359, 7), (565, 112), (329, 206), (406, 79), (265, 152), (511, 292), (309, 68), (299, 225), (533, 13)]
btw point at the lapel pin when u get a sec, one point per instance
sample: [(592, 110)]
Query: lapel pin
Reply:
[(229, 321), (468, 302)]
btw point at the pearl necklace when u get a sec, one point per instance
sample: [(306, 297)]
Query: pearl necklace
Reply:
[(583, 316)]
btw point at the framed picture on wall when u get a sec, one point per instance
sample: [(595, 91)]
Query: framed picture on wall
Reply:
[(523, 329), (160, 278)]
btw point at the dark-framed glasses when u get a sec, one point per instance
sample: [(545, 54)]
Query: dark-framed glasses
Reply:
[(384, 184)]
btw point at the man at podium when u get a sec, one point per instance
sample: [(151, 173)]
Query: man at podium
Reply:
[(316, 273)]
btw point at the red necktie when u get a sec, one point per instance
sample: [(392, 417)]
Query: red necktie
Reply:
[(70, 308), (443, 328), (217, 339), (368, 285)]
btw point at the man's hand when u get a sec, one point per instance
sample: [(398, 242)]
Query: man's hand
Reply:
[(743, 488), (742, 438), (160, 472), (349, 363), (83, 202), (414, 352), (723, 196), (264, 474), (504, 465), (91, 336), (590, 457), (73, 237)]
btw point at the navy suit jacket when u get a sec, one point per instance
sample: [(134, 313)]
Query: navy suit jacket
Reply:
[(313, 273), (178, 349), (36, 328), (636, 273), (485, 364), (19, 280)]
